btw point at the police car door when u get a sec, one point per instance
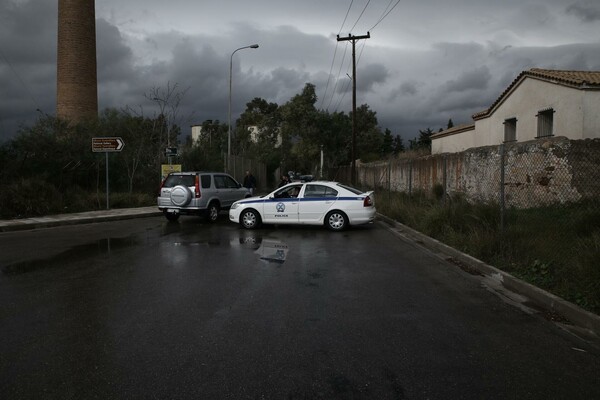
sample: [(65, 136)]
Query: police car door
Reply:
[(317, 201), (282, 208)]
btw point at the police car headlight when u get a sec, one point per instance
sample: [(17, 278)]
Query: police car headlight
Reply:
[(234, 206)]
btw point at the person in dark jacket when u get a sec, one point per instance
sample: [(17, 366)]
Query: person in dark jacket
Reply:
[(250, 182), (285, 179)]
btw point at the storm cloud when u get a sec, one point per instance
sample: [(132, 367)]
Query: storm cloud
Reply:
[(424, 63)]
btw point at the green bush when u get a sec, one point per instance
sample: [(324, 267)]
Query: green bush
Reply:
[(33, 198), (127, 200), (29, 198)]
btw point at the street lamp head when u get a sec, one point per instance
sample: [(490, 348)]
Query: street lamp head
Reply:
[(254, 46)]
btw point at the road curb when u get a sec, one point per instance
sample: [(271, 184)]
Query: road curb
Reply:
[(75, 219), (539, 297)]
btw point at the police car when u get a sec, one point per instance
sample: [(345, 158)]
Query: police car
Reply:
[(332, 204)]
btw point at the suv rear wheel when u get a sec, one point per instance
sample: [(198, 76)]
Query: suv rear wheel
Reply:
[(212, 212), (171, 216)]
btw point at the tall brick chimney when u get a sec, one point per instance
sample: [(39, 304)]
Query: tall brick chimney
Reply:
[(77, 84)]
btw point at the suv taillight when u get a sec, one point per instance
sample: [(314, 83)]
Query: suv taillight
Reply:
[(197, 185), (162, 183), (368, 202)]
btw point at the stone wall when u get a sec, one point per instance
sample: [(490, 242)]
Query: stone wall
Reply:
[(538, 172)]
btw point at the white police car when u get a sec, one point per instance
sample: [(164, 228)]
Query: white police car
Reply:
[(312, 203)]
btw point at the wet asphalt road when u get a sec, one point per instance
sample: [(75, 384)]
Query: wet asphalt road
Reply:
[(145, 309)]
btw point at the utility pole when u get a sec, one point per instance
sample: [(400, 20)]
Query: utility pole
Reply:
[(353, 39)]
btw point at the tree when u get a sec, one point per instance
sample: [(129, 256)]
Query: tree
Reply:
[(388, 143), (263, 118), (300, 133), (166, 127), (424, 140), (140, 148), (450, 124), (336, 137), (398, 145), (369, 138)]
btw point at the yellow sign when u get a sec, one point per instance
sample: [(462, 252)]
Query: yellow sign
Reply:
[(166, 169)]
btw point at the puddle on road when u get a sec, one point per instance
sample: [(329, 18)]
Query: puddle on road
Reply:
[(273, 251), (77, 253), (270, 250)]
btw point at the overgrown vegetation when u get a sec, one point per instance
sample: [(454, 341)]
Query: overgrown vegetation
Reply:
[(49, 167), (555, 248)]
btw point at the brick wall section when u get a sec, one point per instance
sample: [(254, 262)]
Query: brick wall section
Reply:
[(536, 173), (77, 93)]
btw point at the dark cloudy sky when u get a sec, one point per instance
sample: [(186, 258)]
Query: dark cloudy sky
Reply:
[(426, 61)]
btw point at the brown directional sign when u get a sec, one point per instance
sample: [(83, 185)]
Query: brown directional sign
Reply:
[(106, 144)]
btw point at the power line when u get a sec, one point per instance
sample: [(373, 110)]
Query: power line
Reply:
[(345, 89), (385, 13), (338, 76), (333, 60), (20, 80), (329, 76), (360, 16), (346, 17)]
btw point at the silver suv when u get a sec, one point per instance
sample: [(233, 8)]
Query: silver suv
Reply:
[(200, 193)]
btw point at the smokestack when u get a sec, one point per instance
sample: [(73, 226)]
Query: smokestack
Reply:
[(77, 83)]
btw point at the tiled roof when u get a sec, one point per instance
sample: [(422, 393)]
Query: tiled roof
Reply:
[(576, 79)]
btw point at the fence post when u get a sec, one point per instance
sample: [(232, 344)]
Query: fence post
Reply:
[(389, 177), (502, 202), (445, 176), (410, 165)]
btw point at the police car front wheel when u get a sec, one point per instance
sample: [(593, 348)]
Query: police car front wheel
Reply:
[(250, 219)]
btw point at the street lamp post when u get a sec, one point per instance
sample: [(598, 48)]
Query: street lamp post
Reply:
[(254, 46)]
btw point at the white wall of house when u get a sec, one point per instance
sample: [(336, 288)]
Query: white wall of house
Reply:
[(524, 103), (254, 131), (591, 113), (576, 116), (454, 143), (196, 133)]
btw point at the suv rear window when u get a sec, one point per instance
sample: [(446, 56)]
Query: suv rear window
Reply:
[(225, 182), (174, 180)]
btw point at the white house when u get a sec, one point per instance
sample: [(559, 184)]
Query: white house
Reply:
[(538, 103), (255, 131), (196, 133)]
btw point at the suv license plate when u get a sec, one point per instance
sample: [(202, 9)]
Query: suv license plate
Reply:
[(173, 210)]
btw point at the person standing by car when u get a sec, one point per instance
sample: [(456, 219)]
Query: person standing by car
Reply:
[(250, 182), (285, 179)]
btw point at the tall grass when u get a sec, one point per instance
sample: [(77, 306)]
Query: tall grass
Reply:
[(555, 248), (32, 198)]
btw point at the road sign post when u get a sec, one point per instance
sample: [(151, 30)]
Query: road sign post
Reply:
[(107, 145)]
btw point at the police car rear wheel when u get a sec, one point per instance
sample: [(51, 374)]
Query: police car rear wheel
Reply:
[(336, 221)]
